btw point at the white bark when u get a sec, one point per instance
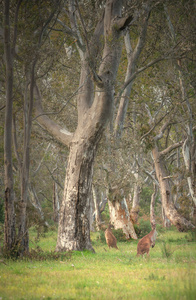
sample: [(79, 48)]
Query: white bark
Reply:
[(97, 213), (186, 151), (136, 198), (120, 218), (167, 202)]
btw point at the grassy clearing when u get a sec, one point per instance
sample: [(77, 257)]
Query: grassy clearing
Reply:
[(107, 274)]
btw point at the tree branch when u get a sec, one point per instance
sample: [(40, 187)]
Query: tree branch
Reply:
[(170, 148), (61, 134)]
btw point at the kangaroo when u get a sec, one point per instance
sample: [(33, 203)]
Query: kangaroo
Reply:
[(146, 242), (110, 238)]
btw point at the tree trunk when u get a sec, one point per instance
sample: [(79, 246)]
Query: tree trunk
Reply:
[(74, 228), (152, 204), (97, 212), (35, 202), (55, 203), (171, 213), (9, 225), (135, 206), (189, 155), (23, 237), (120, 218), (166, 221)]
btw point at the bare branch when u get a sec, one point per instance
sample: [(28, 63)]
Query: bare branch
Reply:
[(16, 24), (163, 128), (61, 134), (74, 26), (170, 148), (39, 165), (72, 33), (55, 180)]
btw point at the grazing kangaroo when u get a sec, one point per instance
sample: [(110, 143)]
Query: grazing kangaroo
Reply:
[(110, 238), (146, 242)]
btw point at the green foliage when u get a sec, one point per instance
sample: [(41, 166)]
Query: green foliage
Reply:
[(100, 237), (120, 236), (106, 214), (145, 199), (143, 228), (160, 228), (191, 237), (118, 233)]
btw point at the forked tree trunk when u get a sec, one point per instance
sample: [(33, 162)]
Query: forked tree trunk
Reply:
[(94, 112), (167, 202), (120, 218)]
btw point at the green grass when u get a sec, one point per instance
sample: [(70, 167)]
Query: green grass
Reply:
[(107, 274)]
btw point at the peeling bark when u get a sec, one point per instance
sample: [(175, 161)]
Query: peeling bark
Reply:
[(171, 213), (74, 227), (120, 217)]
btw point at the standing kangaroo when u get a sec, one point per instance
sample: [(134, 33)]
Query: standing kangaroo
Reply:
[(110, 238), (146, 242)]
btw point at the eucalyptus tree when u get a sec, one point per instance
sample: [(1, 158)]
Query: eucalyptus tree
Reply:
[(119, 212), (185, 69), (137, 42), (99, 47), (24, 29), (9, 229), (176, 51)]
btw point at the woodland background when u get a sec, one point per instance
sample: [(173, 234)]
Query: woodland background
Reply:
[(44, 48)]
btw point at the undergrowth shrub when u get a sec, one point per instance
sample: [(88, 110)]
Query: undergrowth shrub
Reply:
[(101, 236), (156, 277), (118, 233), (161, 229), (191, 237), (143, 228), (166, 250), (40, 255)]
